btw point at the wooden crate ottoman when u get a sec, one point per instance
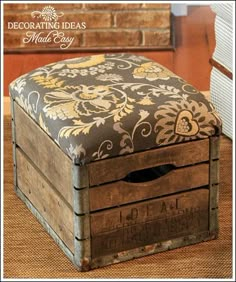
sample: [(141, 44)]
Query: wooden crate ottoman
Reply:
[(116, 157)]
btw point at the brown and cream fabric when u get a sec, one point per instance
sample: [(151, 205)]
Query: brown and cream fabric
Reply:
[(108, 105)]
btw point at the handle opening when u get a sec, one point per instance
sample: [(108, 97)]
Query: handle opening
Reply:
[(148, 174)]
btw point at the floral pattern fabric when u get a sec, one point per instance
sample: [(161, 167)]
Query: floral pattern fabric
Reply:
[(108, 105)]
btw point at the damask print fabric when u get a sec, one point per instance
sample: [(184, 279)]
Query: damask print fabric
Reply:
[(108, 105)]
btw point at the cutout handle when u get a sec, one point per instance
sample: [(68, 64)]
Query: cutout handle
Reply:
[(149, 174)]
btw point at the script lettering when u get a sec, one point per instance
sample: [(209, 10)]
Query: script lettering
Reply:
[(53, 36)]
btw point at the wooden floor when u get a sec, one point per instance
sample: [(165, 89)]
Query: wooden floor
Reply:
[(195, 42)]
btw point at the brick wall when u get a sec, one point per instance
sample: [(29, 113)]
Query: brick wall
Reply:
[(107, 25)]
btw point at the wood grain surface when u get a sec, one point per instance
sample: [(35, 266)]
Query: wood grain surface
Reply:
[(120, 192), (44, 152), (177, 155), (50, 204), (29, 252), (221, 68), (174, 217), (168, 207)]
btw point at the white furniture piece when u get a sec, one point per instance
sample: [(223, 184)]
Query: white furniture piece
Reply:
[(221, 86)]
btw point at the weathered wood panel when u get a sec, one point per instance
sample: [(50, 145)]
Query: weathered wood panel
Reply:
[(214, 184), (120, 192), (153, 249), (214, 147), (45, 199), (177, 155), (45, 225), (82, 257), (214, 172), (171, 217), (45, 154), (160, 208), (13, 132)]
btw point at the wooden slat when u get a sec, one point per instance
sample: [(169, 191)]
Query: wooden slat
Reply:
[(157, 248), (45, 225), (168, 221), (13, 136), (45, 199), (118, 193), (214, 197), (214, 171), (221, 68), (178, 155), (214, 147), (160, 208), (214, 180), (45, 154)]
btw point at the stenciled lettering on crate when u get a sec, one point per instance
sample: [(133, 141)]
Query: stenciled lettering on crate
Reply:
[(146, 223)]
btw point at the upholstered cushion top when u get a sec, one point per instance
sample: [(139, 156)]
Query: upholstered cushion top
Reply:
[(108, 105)]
